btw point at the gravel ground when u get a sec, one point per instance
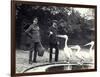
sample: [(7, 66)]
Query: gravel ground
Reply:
[(22, 58)]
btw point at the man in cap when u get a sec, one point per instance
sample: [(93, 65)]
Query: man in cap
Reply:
[(53, 42)]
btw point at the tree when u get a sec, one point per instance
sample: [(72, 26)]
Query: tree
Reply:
[(70, 22)]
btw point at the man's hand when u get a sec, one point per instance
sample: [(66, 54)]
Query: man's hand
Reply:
[(50, 33), (58, 42)]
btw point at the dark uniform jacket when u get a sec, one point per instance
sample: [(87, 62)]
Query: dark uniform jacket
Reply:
[(52, 37), (33, 32)]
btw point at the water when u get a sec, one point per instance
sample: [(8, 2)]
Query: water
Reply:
[(67, 67), (59, 67)]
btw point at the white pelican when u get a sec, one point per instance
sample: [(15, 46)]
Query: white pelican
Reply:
[(77, 54), (67, 50), (91, 47), (91, 50), (83, 55)]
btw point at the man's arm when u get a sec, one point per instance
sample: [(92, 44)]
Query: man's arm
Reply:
[(27, 30), (28, 33)]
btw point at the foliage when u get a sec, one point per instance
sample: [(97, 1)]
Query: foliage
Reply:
[(70, 22)]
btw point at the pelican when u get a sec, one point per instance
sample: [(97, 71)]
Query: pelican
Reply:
[(77, 54), (85, 56), (91, 47), (67, 50), (91, 50)]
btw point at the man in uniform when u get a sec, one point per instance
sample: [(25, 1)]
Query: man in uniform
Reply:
[(33, 32), (53, 42)]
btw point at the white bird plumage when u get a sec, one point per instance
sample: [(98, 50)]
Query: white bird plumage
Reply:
[(91, 51), (85, 56), (67, 50), (78, 57), (90, 54)]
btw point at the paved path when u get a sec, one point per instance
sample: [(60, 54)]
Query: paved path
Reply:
[(23, 56)]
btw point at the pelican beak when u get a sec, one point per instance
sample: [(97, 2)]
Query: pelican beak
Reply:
[(60, 36), (63, 36), (91, 43), (87, 44)]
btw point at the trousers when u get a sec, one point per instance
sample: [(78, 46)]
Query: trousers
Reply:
[(35, 53), (56, 52)]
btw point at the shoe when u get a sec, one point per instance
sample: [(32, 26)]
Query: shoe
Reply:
[(30, 62), (35, 61)]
